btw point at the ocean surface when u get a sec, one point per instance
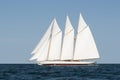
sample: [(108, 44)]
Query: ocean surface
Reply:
[(36, 72)]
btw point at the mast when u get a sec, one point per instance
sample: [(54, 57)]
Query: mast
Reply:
[(85, 47), (55, 43), (68, 41)]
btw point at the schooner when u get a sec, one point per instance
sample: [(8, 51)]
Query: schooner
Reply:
[(68, 49)]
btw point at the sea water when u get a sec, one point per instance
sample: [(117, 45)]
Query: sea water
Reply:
[(36, 72)]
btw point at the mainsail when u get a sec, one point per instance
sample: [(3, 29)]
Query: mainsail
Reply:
[(68, 41), (85, 47)]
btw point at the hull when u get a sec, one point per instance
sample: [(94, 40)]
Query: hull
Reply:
[(65, 63)]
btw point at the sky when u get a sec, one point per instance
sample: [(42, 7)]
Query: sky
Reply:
[(23, 23)]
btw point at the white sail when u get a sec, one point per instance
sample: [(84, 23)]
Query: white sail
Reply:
[(85, 47), (44, 38), (44, 52), (42, 43), (81, 24), (73, 50), (68, 41), (55, 44)]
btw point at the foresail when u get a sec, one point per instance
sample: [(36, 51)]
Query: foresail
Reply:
[(85, 47), (44, 52), (44, 38), (42, 44), (68, 41), (55, 43)]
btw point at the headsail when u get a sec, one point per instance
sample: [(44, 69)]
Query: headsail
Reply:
[(85, 47), (44, 38), (55, 43), (41, 54), (44, 52), (68, 41), (42, 43)]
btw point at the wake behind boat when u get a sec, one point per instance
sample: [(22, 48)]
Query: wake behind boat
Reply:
[(71, 49)]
